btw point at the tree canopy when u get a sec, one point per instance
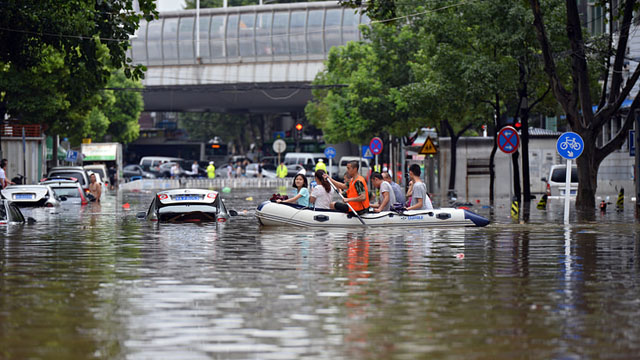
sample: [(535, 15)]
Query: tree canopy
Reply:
[(57, 56)]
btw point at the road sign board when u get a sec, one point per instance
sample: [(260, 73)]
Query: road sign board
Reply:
[(428, 148), (279, 135), (330, 152), (570, 145), (366, 152), (376, 145), (72, 156), (279, 146), (632, 143), (508, 140)]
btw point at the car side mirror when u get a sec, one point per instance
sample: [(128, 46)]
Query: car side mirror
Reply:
[(543, 179), (233, 213), (141, 215)]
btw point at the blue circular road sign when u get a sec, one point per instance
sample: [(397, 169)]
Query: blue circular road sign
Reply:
[(330, 152), (375, 145), (508, 140), (570, 145)]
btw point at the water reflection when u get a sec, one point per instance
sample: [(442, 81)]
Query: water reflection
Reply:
[(97, 282)]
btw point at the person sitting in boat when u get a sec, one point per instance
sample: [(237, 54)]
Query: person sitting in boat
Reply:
[(302, 198), (419, 197), (321, 193), (387, 197), (357, 191)]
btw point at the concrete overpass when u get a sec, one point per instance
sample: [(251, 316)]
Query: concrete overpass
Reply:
[(249, 58)]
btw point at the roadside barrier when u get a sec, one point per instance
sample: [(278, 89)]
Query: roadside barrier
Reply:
[(515, 209), (204, 183), (542, 204), (620, 201)]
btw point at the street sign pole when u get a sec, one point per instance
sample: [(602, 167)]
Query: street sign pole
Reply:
[(331, 167), (567, 191), (570, 146)]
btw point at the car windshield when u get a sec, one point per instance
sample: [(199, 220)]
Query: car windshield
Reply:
[(560, 175), (67, 174), (66, 191), (186, 212)]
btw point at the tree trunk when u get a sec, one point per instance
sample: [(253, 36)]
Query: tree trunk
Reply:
[(587, 173)]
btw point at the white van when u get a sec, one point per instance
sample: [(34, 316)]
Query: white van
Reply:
[(556, 182), (307, 160), (364, 165), (151, 163)]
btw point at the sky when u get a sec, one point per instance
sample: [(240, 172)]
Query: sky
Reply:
[(170, 5)]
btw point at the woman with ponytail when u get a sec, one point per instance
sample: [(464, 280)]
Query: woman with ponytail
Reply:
[(321, 193)]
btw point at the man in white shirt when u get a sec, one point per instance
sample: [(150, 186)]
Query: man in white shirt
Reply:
[(397, 190), (4, 182), (387, 197), (419, 197)]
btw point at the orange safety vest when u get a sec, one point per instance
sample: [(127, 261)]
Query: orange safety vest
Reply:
[(351, 193)]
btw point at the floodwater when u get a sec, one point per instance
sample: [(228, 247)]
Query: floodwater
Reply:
[(98, 283)]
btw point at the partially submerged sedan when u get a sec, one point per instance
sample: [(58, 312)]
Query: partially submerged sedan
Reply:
[(187, 205), (68, 190), (30, 195), (9, 213)]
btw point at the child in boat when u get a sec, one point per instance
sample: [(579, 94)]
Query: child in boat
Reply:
[(302, 198), (321, 193)]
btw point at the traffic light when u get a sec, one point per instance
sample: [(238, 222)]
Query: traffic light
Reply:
[(518, 125), (299, 127)]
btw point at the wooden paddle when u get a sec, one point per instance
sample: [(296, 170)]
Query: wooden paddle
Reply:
[(349, 205)]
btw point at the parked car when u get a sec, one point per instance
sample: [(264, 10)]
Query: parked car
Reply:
[(164, 170), (307, 160), (187, 205), (556, 182), (77, 172), (151, 163), (99, 169), (10, 213), (364, 165), (134, 170), (68, 190), (31, 195)]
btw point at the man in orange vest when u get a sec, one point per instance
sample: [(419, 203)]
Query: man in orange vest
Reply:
[(357, 191)]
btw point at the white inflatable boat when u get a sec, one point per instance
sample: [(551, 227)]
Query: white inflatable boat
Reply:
[(272, 213)]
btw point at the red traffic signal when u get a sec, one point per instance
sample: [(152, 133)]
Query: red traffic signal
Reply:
[(518, 125), (298, 126)]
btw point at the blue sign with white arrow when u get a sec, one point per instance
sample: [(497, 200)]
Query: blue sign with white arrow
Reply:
[(330, 152), (570, 145)]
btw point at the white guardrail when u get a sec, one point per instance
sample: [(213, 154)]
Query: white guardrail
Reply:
[(241, 183)]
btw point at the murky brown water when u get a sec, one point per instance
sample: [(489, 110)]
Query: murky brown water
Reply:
[(98, 283)]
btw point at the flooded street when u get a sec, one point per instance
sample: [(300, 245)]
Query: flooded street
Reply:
[(99, 283)]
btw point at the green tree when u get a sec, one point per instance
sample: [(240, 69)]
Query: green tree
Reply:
[(57, 55), (576, 94), (124, 113)]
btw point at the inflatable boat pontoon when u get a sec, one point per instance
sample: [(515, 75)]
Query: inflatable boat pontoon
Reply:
[(273, 213)]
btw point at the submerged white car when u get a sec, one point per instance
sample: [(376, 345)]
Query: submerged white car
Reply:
[(9, 213), (556, 183), (31, 195), (187, 205)]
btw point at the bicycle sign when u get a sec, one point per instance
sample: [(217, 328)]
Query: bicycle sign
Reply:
[(570, 145)]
